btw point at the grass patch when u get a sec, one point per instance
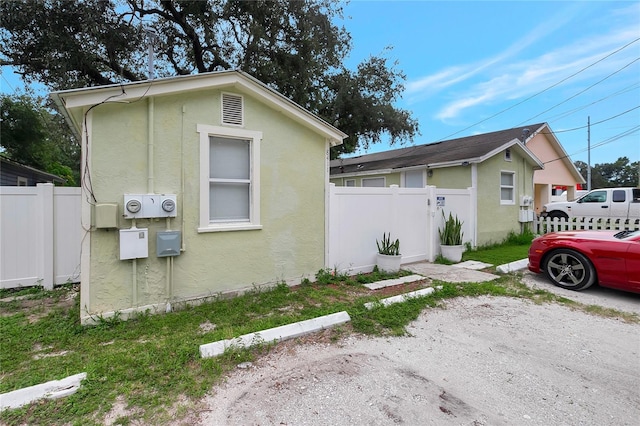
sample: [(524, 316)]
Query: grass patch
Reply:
[(514, 247), (150, 365)]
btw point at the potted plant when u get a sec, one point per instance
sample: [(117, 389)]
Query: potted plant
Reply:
[(389, 256), (451, 238)]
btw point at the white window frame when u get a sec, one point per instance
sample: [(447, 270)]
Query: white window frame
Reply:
[(254, 138), (512, 187), (384, 182), (22, 181), (507, 154), (347, 181)]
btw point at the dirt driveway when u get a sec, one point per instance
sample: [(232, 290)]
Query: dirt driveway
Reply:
[(480, 361)]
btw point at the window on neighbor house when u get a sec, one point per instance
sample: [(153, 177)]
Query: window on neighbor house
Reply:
[(507, 187), (350, 182), (507, 154), (22, 181), (229, 179), (414, 179), (373, 182)]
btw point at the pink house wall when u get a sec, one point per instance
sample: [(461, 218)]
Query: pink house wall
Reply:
[(555, 170)]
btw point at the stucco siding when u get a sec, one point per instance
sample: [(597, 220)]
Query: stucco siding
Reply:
[(290, 244), (555, 171), (496, 220), (451, 177)]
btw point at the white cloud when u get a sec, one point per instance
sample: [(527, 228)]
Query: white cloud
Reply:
[(521, 79)]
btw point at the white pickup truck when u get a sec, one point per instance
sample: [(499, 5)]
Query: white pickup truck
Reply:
[(605, 202)]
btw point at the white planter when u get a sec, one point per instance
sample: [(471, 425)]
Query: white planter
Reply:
[(452, 253), (388, 263)]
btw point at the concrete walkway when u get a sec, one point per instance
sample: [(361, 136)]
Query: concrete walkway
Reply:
[(449, 273)]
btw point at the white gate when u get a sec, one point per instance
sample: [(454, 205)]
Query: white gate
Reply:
[(40, 235), (360, 216)]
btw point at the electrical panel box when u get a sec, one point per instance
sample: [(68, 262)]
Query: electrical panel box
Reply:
[(168, 243), (526, 216), (134, 243), (144, 206), (105, 216)]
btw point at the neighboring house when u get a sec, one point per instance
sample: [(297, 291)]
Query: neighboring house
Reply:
[(225, 182), (497, 164), (13, 173), (559, 170)]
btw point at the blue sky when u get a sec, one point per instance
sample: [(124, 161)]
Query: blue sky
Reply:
[(476, 67), (467, 62)]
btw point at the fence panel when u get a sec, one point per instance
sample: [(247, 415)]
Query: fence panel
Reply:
[(40, 235), (546, 225), (359, 216)]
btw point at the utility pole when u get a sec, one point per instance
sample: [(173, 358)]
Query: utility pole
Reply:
[(589, 153)]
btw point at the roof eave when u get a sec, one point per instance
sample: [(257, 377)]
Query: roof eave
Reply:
[(134, 91)]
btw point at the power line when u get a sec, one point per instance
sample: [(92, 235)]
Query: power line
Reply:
[(580, 92), (599, 144), (542, 91), (580, 108), (597, 122)]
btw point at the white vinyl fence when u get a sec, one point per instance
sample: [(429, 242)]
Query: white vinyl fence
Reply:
[(40, 235), (546, 225), (360, 216)]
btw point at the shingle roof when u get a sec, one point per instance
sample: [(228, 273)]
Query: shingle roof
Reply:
[(468, 148)]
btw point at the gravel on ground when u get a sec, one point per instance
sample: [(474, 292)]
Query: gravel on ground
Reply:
[(478, 361)]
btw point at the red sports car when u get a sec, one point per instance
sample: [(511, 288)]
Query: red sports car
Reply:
[(577, 259)]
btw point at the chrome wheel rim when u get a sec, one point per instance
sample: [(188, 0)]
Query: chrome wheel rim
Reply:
[(566, 269)]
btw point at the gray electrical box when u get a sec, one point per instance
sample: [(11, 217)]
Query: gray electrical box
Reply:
[(168, 243)]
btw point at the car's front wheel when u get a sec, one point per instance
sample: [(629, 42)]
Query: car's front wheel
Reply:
[(569, 269)]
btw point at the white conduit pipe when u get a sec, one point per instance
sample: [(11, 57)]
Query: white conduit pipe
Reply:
[(150, 172)]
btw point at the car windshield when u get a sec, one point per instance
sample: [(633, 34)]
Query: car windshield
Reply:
[(627, 234)]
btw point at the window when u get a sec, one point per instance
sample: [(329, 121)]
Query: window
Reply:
[(507, 187), (414, 179), (507, 154), (22, 181), (350, 182), (618, 196), (595, 197), (229, 179), (373, 182)]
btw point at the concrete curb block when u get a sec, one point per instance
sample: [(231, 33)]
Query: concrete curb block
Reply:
[(513, 266), (289, 331), (395, 281), (401, 297), (53, 390)]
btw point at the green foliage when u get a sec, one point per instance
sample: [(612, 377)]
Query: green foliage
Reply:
[(610, 175), (296, 47), (451, 234), (34, 136), (388, 247)]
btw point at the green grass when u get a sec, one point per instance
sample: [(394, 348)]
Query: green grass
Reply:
[(152, 362), (515, 247)]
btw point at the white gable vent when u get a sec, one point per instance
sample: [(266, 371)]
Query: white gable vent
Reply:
[(232, 109), (507, 154)]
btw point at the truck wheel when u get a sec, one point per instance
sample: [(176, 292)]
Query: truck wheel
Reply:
[(569, 269), (559, 215)]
